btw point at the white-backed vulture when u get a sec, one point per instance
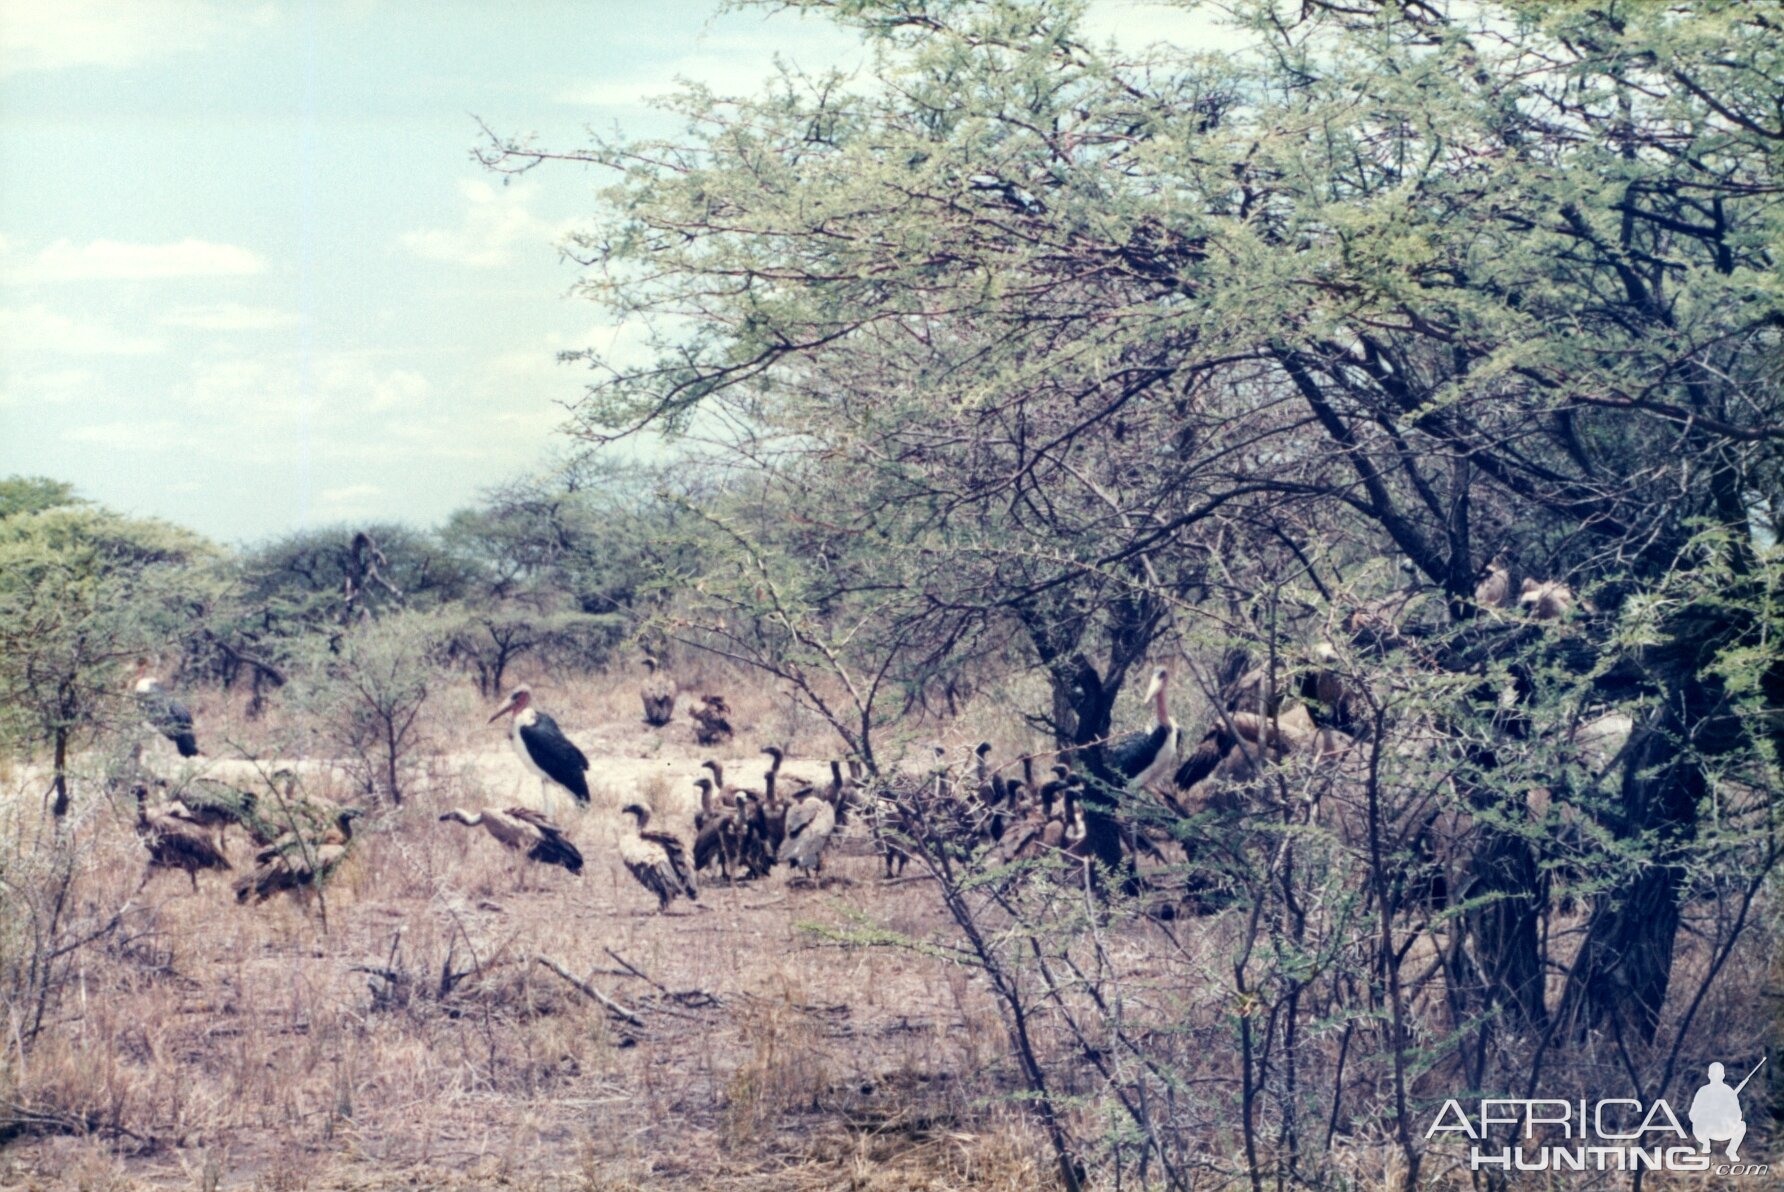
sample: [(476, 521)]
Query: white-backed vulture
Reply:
[(174, 841), (294, 862), (1547, 600), (717, 831), (1500, 586), (658, 693), (809, 824), (712, 720), (658, 860), (525, 831)]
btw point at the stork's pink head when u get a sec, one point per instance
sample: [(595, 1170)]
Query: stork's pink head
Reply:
[(518, 699)]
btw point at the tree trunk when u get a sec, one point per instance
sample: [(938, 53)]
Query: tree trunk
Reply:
[(1505, 926), (1625, 963), (60, 807), (390, 762)]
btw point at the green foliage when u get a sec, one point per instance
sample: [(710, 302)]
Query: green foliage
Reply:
[(1043, 351), (83, 591), (365, 692), (33, 494), (565, 565)]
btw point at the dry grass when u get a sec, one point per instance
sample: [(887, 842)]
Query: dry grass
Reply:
[(207, 1044), (415, 1041)]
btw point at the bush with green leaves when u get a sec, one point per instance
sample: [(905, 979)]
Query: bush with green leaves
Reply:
[(83, 592), (363, 694)]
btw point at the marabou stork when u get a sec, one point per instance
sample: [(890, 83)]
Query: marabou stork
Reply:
[(543, 748), (658, 860), (1145, 758), (163, 713)]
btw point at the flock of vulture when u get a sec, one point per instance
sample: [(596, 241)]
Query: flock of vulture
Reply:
[(300, 841), (745, 831)]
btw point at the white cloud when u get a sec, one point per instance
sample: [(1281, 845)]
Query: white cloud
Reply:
[(338, 406), (128, 436), (116, 260), (496, 220), (36, 329), (231, 316), (352, 496), (399, 390), (57, 34), (46, 387)]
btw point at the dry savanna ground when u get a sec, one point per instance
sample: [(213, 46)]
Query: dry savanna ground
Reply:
[(406, 1030), (440, 1018)]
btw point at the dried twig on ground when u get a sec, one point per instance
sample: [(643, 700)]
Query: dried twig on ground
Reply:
[(613, 1007)]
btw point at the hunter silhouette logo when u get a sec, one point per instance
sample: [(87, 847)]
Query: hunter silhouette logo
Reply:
[(1716, 1112), (1610, 1134)]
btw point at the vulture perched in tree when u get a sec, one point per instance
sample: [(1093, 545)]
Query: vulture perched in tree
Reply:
[(525, 831), (175, 840), (1496, 589), (162, 712), (658, 693), (658, 860), (1546, 600)]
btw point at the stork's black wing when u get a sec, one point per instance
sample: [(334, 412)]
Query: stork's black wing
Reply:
[(1131, 755), (556, 754), (170, 718)]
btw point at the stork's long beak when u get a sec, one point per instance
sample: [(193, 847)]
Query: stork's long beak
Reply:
[(1154, 687), (502, 711)]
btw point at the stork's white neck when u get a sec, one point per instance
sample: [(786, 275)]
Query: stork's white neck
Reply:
[(146, 684)]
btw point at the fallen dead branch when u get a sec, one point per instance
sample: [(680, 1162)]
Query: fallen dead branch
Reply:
[(613, 1007)]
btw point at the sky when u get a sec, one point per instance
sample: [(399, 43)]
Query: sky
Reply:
[(252, 280)]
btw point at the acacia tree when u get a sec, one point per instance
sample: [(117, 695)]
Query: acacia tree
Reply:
[(1476, 281), (563, 565), (1082, 340), (82, 591)]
